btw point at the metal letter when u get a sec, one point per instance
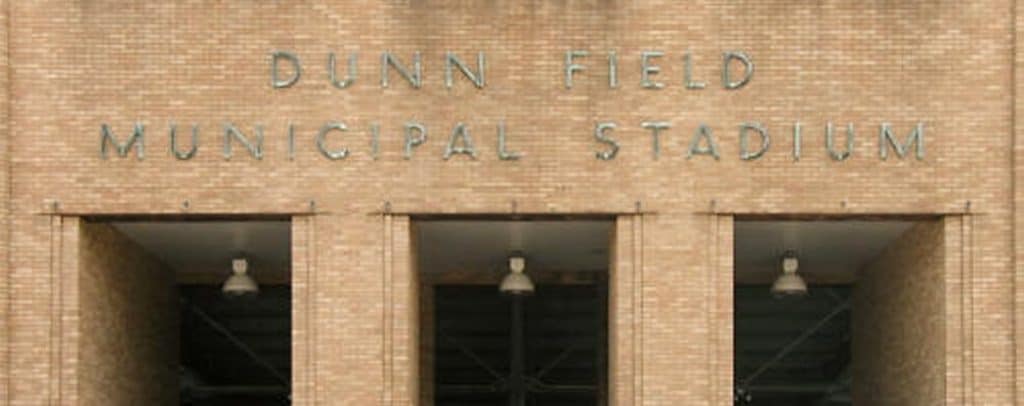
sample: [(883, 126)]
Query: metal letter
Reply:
[(703, 132), (415, 78), (321, 141), (613, 70), (655, 127), (184, 156), (916, 137), (571, 66), (830, 143), (745, 128), (230, 131), (797, 140), (332, 74), (477, 78), (375, 140), (647, 70), (291, 142), (748, 66), (459, 132), (503, 153), (277, 56), (688, 73), (411, 141), (137, 139), (600, 134)]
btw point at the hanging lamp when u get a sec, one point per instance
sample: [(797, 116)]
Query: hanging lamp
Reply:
[(240, 283), (516, 282), (789, 283)]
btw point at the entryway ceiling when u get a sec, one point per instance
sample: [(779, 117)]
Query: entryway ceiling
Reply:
[(829, 251), (201, 251), (465, 245)]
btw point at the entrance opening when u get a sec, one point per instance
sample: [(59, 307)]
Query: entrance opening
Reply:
[(832, 313), (489, 336), (193, 312)]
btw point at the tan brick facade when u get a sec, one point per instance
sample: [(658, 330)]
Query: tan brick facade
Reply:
[(67, 67)]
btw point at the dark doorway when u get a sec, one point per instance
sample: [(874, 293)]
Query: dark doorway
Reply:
[(563, 344), (795, 351), (233, 339), (235, 350), (513, 312), (826, 310)]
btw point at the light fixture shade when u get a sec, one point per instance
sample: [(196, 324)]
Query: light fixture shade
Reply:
[(516, 282), (789, 284), (240, 283)]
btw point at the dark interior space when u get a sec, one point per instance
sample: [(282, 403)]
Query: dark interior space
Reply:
[(235, 350), (793, 351), (564, 344)]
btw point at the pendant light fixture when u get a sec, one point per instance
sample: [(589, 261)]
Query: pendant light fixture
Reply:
[(516, 282), (789, 283), (240, 283)]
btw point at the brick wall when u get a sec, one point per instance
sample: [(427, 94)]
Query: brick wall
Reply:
[(1018, 198), (77, 64), (5, 212), (899, 326), (128, 321)]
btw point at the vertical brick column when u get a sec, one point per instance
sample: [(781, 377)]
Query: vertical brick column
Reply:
[(77, 271), (303, 305), (5, 205), (670, 305), (401, 314), (721, 274), (681, 282), (958, 327), (1018, 197), (30, 346), (623, 312), (346, 314)]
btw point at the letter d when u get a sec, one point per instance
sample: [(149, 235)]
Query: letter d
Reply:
[(275, 81)]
